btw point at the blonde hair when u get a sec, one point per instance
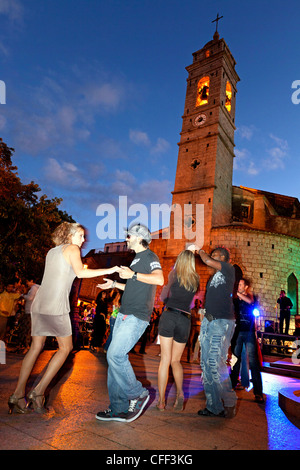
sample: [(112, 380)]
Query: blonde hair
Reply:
[(186, 271), (63, 233)]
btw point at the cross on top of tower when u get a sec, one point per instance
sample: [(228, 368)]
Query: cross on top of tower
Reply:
[(217, 21)]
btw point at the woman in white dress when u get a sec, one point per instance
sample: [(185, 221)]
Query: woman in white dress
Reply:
[(50, 312)]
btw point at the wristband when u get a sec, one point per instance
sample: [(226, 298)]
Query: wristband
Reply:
[(113, 284), (134, 277)]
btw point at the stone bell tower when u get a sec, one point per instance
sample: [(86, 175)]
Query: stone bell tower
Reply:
[(203, 184)]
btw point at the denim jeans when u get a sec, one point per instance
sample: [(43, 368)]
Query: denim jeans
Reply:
[(215, 337), (248, 339), (112, 321), (122, 383)]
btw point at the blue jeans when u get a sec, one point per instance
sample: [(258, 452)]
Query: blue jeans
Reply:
[(215, 337), (112, 321), (121, 380), (248, 339)]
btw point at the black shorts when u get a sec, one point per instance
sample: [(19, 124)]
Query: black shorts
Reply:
[(174, 325)]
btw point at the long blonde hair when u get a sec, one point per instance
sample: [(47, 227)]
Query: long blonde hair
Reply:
[(186, 271)]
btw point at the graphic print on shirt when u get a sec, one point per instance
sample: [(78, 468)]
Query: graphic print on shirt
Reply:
[(217, 280), (155, 265), (136, 260)]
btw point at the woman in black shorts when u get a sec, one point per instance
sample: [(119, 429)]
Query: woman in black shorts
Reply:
[(175, 323)]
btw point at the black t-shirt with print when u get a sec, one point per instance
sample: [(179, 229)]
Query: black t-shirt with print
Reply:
[(138, 297), (218, 299)]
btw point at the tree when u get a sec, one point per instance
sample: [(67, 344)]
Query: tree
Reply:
[(26, 223)]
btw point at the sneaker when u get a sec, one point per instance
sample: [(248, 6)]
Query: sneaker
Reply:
[(136, 406), (109, 415)]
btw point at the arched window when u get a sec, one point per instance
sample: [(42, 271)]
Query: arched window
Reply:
[(228, 97), (292, 293), (202, 91)]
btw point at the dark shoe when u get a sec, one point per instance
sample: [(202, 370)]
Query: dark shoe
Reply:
[(259, 399), (208, 413), (239, 387), (230, 411), (13, 404), (136, 406), (109, 415)]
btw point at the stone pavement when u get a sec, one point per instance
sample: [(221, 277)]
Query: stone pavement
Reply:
[(79, 392)]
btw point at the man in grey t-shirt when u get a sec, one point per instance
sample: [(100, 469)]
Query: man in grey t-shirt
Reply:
[(127, 395)]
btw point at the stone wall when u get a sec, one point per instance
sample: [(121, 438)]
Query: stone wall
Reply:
[(266, 258)]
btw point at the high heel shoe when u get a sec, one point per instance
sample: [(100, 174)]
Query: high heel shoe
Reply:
[(178, 405), (32, 400), (13, 404), (161, 406)]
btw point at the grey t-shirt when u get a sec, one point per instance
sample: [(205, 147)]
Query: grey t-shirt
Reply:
[(218, 300), (138, 297)]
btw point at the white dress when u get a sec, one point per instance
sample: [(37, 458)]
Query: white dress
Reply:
[(51, 306)]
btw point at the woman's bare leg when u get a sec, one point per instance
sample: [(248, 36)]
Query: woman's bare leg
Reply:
[(177, 351), (163, 370), (65, 346), (29, 360)]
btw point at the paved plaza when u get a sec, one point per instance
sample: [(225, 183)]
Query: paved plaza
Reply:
[(79, 392)]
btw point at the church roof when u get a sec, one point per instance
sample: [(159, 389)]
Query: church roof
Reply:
[(285, 206)]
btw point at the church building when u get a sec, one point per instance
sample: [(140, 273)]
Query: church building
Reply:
[(260, 229)]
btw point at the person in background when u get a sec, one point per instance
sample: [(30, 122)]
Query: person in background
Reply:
[(246, 336), (29, 297), (24, 321), (8, 299), (285, 305), (175, 324), (195, 329), (99, 321), (116, 299)]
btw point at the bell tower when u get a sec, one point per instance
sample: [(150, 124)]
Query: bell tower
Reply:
[(206, 149)]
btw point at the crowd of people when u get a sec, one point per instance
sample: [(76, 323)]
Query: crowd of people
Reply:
[(97, 320), (221, 333), (15, 320)]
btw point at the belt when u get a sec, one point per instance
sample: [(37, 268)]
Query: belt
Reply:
[(209, 317), (187, 314)]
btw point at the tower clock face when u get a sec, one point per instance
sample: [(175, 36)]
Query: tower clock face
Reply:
[(200, 120)]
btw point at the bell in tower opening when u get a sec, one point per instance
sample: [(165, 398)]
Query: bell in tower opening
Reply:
[(203, 91)]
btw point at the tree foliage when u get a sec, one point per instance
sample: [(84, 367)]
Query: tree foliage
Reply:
[(26, 223)]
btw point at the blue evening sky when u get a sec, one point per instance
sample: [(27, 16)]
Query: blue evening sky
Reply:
[(95, 91)]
